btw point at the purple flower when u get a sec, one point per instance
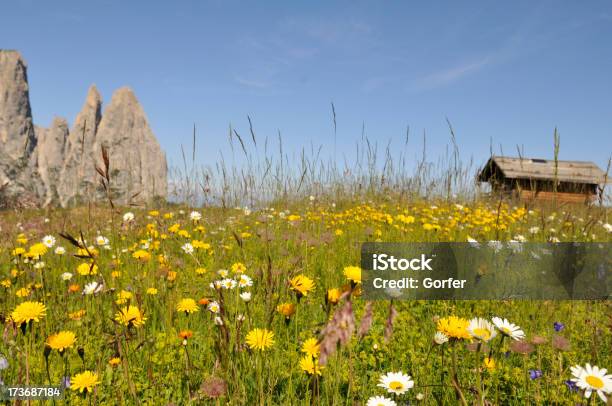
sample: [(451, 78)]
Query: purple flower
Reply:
[(571, 385), (65, 382), (558, 326), (535, 374)]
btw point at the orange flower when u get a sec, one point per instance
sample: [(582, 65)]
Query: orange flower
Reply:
[(74, 288), (203, 301), (186, 334)]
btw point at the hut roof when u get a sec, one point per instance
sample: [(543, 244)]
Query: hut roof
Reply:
[(532, 168)]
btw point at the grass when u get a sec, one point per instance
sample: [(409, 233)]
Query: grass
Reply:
[(317, 238)]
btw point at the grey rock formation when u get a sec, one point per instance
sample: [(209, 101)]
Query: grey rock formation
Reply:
[(55, 166), (50, 152), (137, 163), (17, 139), (79, 177)]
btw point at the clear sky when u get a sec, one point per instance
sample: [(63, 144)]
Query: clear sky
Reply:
[(502, 71)]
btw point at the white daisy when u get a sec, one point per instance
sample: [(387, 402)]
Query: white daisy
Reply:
[(245, 296), (195, 216), (214, 307), (481, 329), (396, 382), (592, 378), (187, 248), (92, 288), (101, 240), (228, 283), (440, 338), (39, 265), (128, 217), (508, 329), (66, 276), (245, 281), (60, 251), (223, 273), (380, 401), (48, 241)]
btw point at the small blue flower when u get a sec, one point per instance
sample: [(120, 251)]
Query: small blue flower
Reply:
[(3, 363), (65, 382), (571, 385), (535, 374), (558, 326)]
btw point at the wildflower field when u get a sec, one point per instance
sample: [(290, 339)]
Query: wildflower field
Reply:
[(175, 305)]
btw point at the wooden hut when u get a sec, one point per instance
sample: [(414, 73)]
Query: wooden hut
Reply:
[(544, 179)]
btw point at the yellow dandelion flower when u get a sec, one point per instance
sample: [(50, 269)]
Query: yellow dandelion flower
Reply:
[(114, 361), (130, 316), (333, 295), (238, 267), (87, 269), (260, 339), (28, 311), (454, 327), (61, 341), (353, 273), (84, 382), (23, 292), (187, 305), (286, 309), (311, 347), (77, 315), (142, 255), (301, 285), (151, 291), (310, 365)]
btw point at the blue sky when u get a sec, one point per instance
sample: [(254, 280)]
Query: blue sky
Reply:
[(500, 72)]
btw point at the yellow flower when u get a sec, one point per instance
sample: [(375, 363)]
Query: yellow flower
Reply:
[(286, 309), (302, 285), (84, 382), (333, 295), (151, 291), (23, 292), (123, 297), (260, 339), (310, 365), (353, 273), (37, 250), (187, 305), (238, 267), (76, 315), (130, 316), (311, 347), (454, 327), (18, 251), (154, 213), (114, 361), (87, 269), (489, 363), (61, 341), (142, 255), (28, 311), (200, 271)]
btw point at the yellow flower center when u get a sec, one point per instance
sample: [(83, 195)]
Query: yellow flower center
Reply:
[(506, 330), (483, 333), (594, 381), (395, 385)]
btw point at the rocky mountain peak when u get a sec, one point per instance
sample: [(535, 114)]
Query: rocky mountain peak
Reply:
[(57, 166)]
